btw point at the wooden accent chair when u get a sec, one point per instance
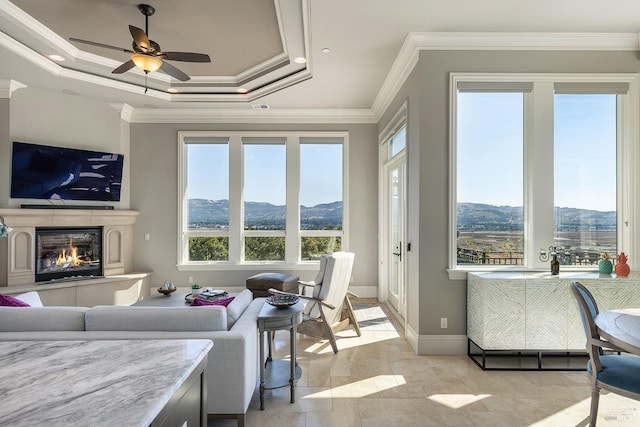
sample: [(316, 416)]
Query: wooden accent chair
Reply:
[(617, 373), (328, 309)]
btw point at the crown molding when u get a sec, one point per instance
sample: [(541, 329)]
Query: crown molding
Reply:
[(408, 56), (260, 79), (7, 87), (315, 116)]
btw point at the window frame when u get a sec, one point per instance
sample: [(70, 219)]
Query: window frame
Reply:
[(538, 139), (236, 233)]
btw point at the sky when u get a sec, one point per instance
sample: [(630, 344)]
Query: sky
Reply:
[(265, 173), (490, 137)]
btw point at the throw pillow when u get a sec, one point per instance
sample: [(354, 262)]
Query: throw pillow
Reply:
[(9, 301), (32, 298), (200, 302)]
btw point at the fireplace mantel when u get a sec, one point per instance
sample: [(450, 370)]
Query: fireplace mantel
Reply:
[(17, 251)]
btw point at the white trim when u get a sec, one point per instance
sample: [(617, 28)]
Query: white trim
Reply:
[(291, 140), (411, 335), (436, 344), (408, 55), (442, 344), (525, 41), (399, 161), (8, 86), (398, 120), (294, 116)]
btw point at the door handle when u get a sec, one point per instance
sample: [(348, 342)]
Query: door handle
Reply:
[(398, 254)]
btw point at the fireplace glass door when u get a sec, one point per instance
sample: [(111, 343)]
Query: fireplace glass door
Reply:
[(68, 253)]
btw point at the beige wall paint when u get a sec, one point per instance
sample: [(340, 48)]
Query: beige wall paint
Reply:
[(53, 118), (427, 93), (154, 193)]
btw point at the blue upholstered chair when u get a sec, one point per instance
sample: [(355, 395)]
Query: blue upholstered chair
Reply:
[(617, 373)]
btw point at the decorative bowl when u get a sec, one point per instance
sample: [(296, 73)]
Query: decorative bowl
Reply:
[(166, 292), (282, 301)]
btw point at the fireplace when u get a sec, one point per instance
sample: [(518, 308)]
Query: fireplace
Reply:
[(68, 253)]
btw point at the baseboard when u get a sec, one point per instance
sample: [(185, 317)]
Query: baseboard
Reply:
[(411, 335), (441, 344), (365, 291)]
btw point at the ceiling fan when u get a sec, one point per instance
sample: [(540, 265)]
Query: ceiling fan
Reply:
[(146, 54)]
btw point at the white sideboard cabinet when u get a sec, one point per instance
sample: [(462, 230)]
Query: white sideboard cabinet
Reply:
[(525, 311)]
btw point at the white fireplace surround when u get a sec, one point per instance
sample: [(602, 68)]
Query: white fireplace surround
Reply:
[(17, 251)]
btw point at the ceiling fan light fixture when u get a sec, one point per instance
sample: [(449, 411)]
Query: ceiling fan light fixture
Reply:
[(146, 63)]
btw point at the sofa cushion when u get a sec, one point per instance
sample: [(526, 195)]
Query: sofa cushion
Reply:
[(32, 298), (42, 319), (238, 306), (9, 301), (169, 319)]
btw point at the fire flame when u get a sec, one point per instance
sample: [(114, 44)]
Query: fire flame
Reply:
[(71, 258)]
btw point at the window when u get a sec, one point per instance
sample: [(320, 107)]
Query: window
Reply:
[(585, 199), (253, 198), (320, 197), (538, 163), (490, 171), (207, 225), (264, 195)]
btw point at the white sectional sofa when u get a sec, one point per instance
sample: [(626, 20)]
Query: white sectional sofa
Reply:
[(233, 362)]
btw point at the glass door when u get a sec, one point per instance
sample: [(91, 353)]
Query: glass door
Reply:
[(396, 233)]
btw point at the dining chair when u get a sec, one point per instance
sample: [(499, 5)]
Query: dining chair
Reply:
[(328, 309), (617, 373)]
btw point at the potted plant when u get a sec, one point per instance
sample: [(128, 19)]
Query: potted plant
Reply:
[(605, 266), (196, 289)]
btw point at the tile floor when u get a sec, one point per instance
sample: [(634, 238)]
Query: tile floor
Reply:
[(377, 380)]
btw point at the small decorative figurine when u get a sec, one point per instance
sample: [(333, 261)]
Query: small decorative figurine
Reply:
[(605, 266), (622, 268)]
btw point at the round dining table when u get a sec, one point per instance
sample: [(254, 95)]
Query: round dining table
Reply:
[(621, 328)]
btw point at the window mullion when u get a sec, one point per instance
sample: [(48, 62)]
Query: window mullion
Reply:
[(539, 181), (236, 213), (292, 238)]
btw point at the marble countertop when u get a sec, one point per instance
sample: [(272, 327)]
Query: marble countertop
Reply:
[(96, 383)]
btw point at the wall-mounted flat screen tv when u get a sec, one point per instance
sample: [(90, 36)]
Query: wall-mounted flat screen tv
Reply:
[(59, 173)]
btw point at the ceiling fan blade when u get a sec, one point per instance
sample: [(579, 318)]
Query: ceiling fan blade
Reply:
[(174, 72), (140, 37), (124, 67), (186, 56), (108, 46)]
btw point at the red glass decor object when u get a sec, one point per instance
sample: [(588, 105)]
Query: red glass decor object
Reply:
[(622, 268)]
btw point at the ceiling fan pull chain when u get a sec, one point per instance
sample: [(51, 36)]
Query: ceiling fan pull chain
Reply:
[(146, 73)]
